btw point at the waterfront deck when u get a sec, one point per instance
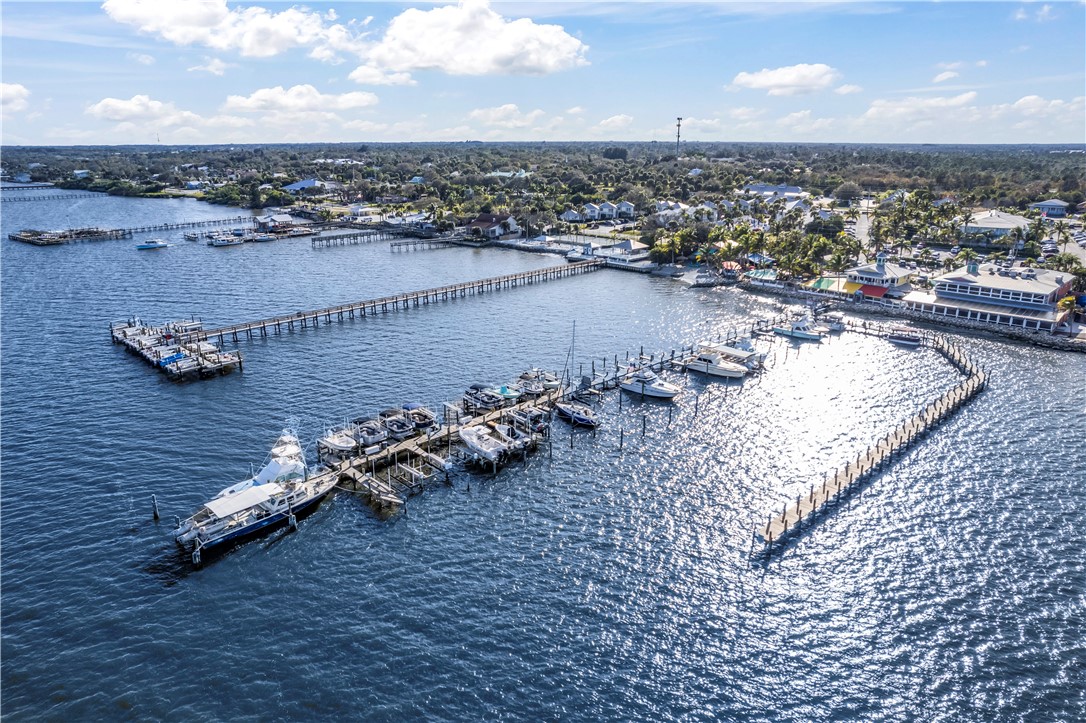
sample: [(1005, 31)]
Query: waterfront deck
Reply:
[(841, 481)]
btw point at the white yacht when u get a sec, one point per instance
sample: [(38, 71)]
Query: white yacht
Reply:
[(709, 360), (642, 380)]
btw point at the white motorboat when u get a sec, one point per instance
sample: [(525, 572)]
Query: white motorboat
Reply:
[(579, 415), (370, 432), (223, 239), (516, 439), (156, 243), (280, 493), (801, 328), (642, 380), (706, 277), (904, 336), (336, 445), (834, 320), (529, 419), (708, 360), (749, 357), (549, 380), (528, 387), (482, 444)]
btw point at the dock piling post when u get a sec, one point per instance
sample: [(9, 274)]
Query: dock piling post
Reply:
[(154, 507), (644, 424)]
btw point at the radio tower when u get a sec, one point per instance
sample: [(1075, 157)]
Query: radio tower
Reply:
[(678, 127)]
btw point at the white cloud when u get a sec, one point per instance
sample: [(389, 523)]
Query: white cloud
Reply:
[(471, 39), (298, 98), (575, 110), (615, 122), (141, 109), (505, 116), (250, 30), (789, 80), (13, 98), (944, 76), (1034, 106), (141, 58), (701, 125), (369, 75), (213, 66), (847, 89), (801, 122), (1021, 14), (981, 63), (1043, 14), (914, 109), (744, 113)]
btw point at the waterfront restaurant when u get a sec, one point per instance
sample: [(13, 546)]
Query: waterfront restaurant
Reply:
[(991, 294), (874, 281)]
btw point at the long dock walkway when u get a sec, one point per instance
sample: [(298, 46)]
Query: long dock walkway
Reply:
[(385, 304), (366, 236), (841, 481), (50, 197)]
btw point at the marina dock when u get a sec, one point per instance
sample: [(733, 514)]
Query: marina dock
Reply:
[(53, 238), (841, 481)]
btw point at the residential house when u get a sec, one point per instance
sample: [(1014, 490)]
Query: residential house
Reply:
[(991, 294), (591, 212), (570, 216), (493, 225), (770, 192), (625, 209), (81, 173), (1052, 208), (608, 210)]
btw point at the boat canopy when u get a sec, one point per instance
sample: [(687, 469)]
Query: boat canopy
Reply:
[(226, 506)]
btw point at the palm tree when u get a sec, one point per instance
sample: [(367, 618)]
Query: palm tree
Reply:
[(966, 256), (1067, 305), (1061, 231)]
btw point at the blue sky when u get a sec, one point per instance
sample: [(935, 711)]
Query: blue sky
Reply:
[(209, 71)]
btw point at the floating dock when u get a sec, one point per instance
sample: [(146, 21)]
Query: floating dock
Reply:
[(841, 481), (55, 238)]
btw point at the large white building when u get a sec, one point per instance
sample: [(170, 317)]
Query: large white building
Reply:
[(991, 294), (994, 224)]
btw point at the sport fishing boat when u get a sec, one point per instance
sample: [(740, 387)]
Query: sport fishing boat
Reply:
[(642, 380), (800, 329), (279, 494)]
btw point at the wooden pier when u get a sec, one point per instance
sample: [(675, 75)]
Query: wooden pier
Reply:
[(385, 304), (841, 481), (412, 244), (180, 360), (322, 240), (51, 197)]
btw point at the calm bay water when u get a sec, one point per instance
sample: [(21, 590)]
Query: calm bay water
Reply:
[(591, 583)]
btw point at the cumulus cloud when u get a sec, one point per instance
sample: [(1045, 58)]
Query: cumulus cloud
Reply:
[(1043, 14), (471, 39), (944, 76), (913, 109), (250, 30), (505, 116), (298, 98), (213, 66), (701, 125), (847, 89), (802, 122), (1034, 106), (141, 109), (369, 75), (13, 98), (575, 110), (615, 122), (744, 113), (788, 80)]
